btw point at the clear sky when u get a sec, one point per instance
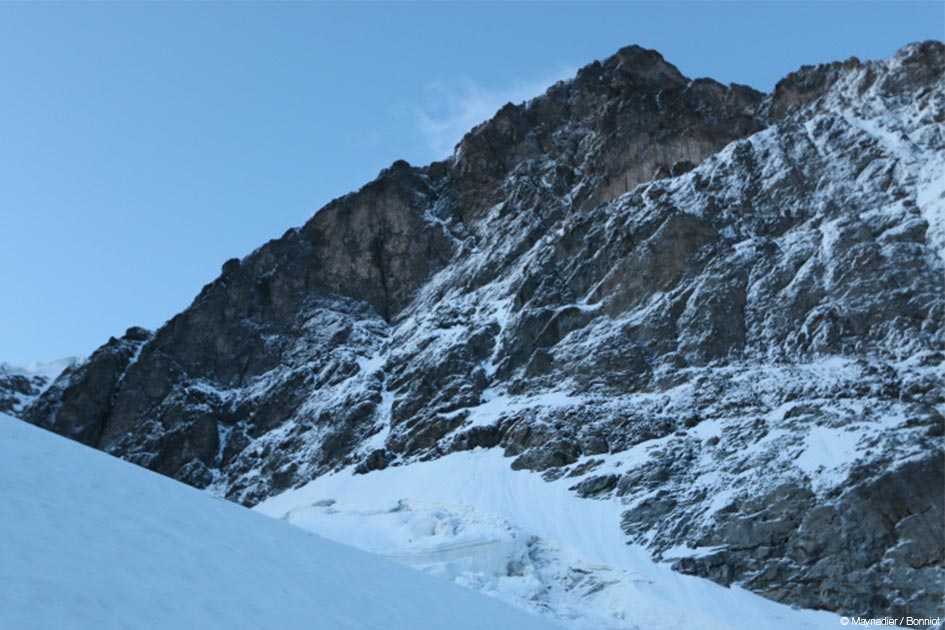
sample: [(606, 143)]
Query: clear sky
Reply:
[(143, 144)]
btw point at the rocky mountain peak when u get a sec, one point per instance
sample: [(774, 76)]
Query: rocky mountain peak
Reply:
[(620, 122), (633, 67)]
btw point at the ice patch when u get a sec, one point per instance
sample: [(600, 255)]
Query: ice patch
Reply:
[(541, 547)]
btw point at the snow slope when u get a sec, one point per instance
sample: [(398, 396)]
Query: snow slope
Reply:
[(88, 541), (470, 518)]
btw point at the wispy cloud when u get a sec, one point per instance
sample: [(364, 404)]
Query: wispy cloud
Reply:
[(451, 108)]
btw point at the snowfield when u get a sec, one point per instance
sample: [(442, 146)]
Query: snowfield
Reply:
[(469, 518), (89, 542)]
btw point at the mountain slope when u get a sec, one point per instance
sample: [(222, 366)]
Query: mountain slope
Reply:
[(92, 542), (721, 309)]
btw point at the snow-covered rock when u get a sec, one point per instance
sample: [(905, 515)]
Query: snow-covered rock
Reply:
[(20, 386)]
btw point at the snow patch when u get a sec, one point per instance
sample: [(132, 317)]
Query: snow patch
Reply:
[(469, 518)]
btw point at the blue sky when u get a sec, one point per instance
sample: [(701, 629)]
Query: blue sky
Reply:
[(142, 145)]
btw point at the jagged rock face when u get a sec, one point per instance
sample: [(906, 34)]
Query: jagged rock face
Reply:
[(723, 307), (620, 122), (77, 403)]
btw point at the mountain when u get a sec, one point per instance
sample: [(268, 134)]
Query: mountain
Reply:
[(719, 310), (20, 386), (93, 542)]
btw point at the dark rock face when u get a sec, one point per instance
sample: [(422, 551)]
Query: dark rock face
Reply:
[(79, 402), (738, 298), (620, 122)]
